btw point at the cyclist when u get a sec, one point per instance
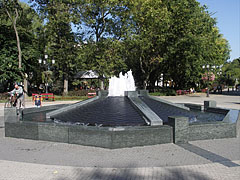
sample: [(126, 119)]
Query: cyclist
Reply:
[(18, 91)]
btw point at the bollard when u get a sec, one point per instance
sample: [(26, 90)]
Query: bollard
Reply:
[(209, 104), (180, 128)]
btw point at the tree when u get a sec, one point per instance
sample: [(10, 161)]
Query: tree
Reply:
[(101, 25), (174, 38), (59, 36), (231, 72), (12, 7), (24, 29), (144, 50)]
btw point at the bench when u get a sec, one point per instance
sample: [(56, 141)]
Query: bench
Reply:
[(91, 95), (45, 96)]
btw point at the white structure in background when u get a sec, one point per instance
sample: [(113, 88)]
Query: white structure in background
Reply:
[(117, 86)]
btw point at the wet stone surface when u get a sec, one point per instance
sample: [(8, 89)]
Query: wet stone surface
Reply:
[(118, 111), (164, 111), (110, 111), (37, 117)]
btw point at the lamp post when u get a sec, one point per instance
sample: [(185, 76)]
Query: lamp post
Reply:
[(47, 65), (208, 68)]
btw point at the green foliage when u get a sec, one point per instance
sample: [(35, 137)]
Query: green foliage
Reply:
[(105, 57), (173, 38), (191, 42), (231, 72), (47, 77), (164, 92), (59, 38), (70, 98), (80, 92), (26, 27)]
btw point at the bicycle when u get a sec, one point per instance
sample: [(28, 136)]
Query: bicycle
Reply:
[(11, 102)]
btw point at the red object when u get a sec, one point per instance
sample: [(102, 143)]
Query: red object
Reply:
[(45, 95), (91, 95), (179, 92)]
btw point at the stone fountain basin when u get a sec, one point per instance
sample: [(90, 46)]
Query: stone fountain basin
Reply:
[(176, 129)]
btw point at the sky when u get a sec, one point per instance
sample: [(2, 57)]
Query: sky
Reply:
[(227, 13)]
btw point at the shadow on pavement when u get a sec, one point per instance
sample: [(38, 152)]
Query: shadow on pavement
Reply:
[(208, 155), (138, 173)]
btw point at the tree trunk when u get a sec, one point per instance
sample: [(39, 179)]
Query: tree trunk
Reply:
[(25, 83), (65, 88), (14, 23), (145, 84), (18, 42), (102, 84)]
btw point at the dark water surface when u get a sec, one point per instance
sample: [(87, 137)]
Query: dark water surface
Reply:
[(119, 111)]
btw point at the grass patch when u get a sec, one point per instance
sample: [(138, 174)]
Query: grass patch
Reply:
[(157, 94), (64, 98), (164, 92), (70, 98)]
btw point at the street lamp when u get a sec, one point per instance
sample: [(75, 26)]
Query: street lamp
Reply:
[(208, 68), (45, 63)]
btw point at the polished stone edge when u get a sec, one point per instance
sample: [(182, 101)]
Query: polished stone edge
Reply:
[(151, 116), (179, 131), (180, 106), (217, 110), (10, 114), (70, 107), (43, 108), (194, 106), (231, 116), (90, 136), (102, 93), (212, 131), (210, 104), (238, 125), (145, 93), (180, 128)]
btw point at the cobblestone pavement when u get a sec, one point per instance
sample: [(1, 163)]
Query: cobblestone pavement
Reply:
[(22, 159)]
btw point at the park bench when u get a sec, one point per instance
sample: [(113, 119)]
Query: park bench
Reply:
[(90, 95)]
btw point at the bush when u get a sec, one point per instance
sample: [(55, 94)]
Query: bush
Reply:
[(3, 96), (80, 92), (164, 92)]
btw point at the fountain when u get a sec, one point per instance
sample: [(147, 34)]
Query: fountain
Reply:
[(118, 86), (123, 117)]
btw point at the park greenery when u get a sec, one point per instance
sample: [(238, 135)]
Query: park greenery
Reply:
[(154, 38)]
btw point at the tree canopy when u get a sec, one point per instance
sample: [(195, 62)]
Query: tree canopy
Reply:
[(154, 38)]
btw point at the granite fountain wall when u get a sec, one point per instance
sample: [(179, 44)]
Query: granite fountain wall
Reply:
[(178, 130)]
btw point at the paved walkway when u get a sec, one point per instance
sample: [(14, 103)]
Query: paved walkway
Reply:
[(22, 159), (224, 101)]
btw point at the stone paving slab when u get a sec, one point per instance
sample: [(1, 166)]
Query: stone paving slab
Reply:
[(202, 160), (223, 101), (43, 152), (26, 171)]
